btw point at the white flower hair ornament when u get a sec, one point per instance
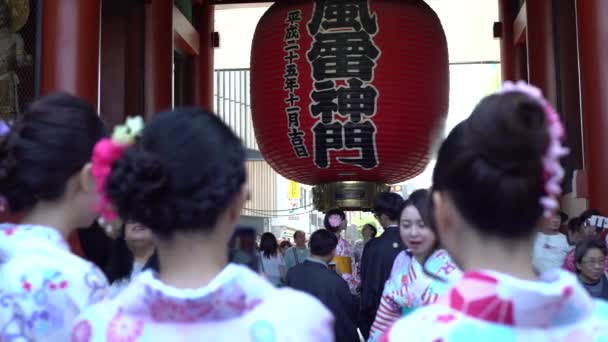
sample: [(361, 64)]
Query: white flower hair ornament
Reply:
[(553, 172)]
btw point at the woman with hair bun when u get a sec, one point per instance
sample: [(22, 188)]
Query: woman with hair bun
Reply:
[(45, 173), (335, 222), (498, 177), (185, 179)]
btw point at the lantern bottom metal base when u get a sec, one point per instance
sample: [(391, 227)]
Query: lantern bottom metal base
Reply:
[(347, 195)]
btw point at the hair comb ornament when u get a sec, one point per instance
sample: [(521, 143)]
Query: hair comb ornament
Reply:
[(106, 152), (553, 172)]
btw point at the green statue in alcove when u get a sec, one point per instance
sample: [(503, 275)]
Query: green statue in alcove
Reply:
[(13, 15)]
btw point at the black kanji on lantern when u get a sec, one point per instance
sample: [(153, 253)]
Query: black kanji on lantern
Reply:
[(343, 55), (327, 137), (341, 14), (356, 101), (293, 32), (361, 136), (350, 136), (294, 17), (353, 102), (296, 137), (293, 117), (291, 70), (291, 84), (324, 104)]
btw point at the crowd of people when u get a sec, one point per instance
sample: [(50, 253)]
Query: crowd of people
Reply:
[(483, 254)]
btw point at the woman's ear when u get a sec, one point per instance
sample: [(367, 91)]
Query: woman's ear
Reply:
[(442, 219), (86, 181)]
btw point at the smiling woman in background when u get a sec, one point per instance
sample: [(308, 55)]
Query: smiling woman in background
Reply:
[(419, 275)]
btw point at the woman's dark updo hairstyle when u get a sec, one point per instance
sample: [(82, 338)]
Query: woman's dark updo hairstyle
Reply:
[(49, 143), (181, 174), (491, 165), (328, 215)]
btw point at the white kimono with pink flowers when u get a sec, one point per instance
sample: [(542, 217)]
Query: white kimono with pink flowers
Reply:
[(238, 305), (43, 286), (489, 306)]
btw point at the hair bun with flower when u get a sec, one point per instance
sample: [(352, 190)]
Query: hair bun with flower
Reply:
[(106, 152), (553, 172)]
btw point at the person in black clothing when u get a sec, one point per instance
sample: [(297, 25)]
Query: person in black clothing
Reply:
[(314, 277), (241, 248), (378, 257), (96, 244)]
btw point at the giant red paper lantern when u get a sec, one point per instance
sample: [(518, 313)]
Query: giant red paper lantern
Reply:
[(348, 90)]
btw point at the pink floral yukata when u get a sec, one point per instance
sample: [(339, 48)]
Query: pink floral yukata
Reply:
[(489, 306), (238, 305)]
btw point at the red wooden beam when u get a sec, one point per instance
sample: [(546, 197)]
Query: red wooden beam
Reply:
[(505, 33), (185, 36), (593, 53), (158, 64), (541, 51), (70, 48)]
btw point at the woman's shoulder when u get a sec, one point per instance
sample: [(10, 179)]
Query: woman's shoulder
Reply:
[(54, 266)]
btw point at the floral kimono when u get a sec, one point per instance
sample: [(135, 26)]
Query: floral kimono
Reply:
[(345, 264), (43, 286), (409, 287), (489, 306), (238, 305)]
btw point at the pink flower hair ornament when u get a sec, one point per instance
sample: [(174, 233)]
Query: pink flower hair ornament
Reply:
[(335, 221), (106, 152), (553, 172)]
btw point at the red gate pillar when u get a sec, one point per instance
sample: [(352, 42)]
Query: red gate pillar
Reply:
[(158, 68), (202, 87), (593, 53), (541, 51), (70, 48), (507, 44)]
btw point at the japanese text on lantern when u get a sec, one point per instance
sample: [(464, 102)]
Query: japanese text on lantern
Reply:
[(343, 57), (292, 38)]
